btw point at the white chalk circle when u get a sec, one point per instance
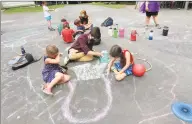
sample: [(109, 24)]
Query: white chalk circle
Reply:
[(66, 106)]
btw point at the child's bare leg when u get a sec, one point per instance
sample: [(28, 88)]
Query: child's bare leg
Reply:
[(120, 77), (44, 86), (65, 78), (49, 23), (57, 79)]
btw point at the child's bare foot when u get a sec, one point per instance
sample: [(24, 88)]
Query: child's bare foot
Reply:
[(47, 91), (43, 86)]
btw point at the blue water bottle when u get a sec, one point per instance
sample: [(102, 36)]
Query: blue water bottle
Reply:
[(23, 50), (151, 35)]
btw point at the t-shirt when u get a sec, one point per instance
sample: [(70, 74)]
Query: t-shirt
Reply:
[(81, 44), (46, 11), (67, 35), (60, 28), (81, 28)]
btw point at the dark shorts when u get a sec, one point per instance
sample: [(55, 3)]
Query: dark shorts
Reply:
[(149, 14)]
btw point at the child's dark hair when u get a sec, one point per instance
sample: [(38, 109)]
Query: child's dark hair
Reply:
[(77, 21), (63, 20), (66, 25), (95, 32), (116, 51)]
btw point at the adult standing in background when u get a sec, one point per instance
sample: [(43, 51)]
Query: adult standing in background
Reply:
[(85, 20), (151, 8)]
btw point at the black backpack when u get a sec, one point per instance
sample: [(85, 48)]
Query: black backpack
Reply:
[(107, 22), (23, 61)]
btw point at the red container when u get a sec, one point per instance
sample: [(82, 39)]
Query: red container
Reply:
[(133, 35)]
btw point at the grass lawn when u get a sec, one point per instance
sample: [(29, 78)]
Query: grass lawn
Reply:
[(30, 9), (115, 6), (40, 9)]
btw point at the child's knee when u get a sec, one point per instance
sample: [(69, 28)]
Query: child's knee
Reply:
[(67, 77), (59, 75), (119, 77)]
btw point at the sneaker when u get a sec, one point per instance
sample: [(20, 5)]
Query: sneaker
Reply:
[(46, 91), (51, 29), (158, 26), (64, 69), (146, 26), (66, 60)]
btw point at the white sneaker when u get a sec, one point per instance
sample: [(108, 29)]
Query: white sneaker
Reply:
[(66, 60), (158, 26)]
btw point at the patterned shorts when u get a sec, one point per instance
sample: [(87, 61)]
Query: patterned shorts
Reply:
[(127, 72)]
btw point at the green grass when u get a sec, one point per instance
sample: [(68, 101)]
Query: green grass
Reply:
[(30, 9), (115, 6)]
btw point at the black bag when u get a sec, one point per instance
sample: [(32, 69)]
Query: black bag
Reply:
[(24, 61), (107, 22)]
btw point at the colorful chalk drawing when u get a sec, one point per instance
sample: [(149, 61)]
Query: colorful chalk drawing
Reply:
[(86, 72)]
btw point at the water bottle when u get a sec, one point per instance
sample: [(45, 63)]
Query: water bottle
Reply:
[(151, 35), (133, 35), (115, 33), (121, 32), (117, 26), (23, 50), (110, 31)]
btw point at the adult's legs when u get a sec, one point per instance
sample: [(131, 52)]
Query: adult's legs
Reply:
[(85, 58), (155, 19), (79, 56), (147, 19)]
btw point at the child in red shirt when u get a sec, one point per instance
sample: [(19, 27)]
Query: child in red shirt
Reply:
[(67, 33)]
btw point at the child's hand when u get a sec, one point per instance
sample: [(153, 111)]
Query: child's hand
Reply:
[(108, 71), (116, 73), (100, 54), (60, 54)]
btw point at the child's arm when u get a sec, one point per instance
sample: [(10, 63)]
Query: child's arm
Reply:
[(110, 64), (93, 53), (127, 57), (53, 61)]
